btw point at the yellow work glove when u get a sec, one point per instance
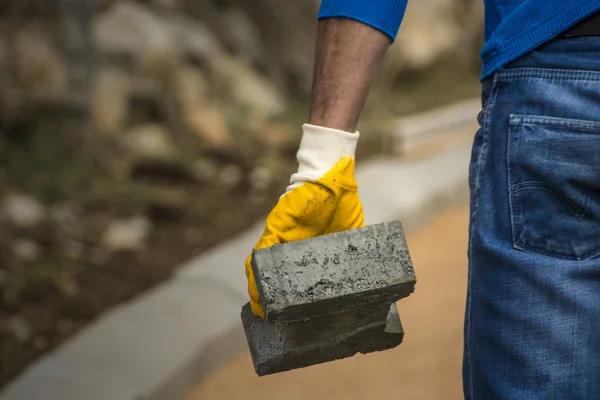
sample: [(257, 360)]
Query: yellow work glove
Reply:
[(322, 197)]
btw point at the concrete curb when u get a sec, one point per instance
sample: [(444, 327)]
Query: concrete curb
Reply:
[(161, 343)]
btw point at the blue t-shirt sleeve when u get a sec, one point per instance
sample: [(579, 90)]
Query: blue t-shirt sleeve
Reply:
[(385, 15)]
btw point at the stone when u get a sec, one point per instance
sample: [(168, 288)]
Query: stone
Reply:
[(332, 273), (26, 249), (277, 347), (231, 175), (69, 287), (209, 124), (23, 211), (150, 140), (190, 87), (260, 178), (19, 328), (199, 43), (131, 29), (127, 234), (110, 100), (205, 169), (242, 36), (250, 89), (40, 69)]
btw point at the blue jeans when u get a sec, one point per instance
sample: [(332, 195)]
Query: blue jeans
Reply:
[(532, 326)]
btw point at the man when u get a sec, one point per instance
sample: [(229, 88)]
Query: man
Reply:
[(532, 321)]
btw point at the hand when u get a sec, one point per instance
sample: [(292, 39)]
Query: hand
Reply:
[(322, 197)]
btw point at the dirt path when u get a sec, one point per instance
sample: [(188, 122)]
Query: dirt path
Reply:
[(426, 366)]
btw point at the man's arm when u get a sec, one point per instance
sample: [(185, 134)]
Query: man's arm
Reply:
[(352, 39), (322, 197), (347, 58)]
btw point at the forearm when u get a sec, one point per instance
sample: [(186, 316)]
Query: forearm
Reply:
[(348, 56)]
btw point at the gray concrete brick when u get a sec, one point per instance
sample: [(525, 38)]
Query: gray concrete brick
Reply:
[(280, 346), (331, 273)]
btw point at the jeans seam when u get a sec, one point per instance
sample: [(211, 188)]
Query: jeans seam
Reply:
[(578, 125), (548, 73), (579, 213), (480, 161)]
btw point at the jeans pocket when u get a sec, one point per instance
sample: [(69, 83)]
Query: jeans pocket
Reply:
[(554, 185)]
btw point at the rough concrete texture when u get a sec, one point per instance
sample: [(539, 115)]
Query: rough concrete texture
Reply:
[(332, 273), (278, 347)]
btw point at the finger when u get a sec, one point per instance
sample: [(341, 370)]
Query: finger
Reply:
[(252, 289), (248, 265), (257, 309)]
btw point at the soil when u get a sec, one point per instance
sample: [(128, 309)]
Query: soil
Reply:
[(53, 317)]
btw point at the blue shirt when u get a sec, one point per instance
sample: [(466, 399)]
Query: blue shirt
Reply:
[(512, 27)]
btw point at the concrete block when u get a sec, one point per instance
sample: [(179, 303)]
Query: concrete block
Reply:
[(333, 273), (277, 347)]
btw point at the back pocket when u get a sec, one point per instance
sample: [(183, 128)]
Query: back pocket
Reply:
[(554, 183)]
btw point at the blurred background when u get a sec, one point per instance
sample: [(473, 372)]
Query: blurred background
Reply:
[(135, 135)]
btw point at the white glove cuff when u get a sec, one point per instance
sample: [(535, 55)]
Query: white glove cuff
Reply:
[(320, 149)]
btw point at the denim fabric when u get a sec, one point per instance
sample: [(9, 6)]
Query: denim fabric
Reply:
[(532, 326)]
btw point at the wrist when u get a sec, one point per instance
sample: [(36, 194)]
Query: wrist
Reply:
[(341, 121), (320, 149)]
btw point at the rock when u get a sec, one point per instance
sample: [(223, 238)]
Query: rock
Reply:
[(132, 29), (110, 100), (205, 169), (275, 135), (127, 234), (231, 175), (26, 249), (39, 67), (203, 119), (69, 287), (210, 125), (199, 43), (239, 80), (252, 90), (151, 140), (191, 87), (19, 328), (67, 218), (23, 211), (260, 178), (242, 36)]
